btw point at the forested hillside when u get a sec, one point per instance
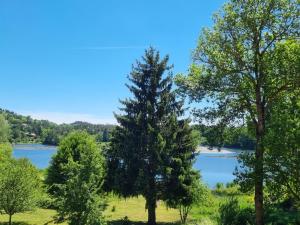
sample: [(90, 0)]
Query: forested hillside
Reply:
[(25, 129)]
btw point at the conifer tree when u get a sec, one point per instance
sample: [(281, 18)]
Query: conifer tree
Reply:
[(144, 143)]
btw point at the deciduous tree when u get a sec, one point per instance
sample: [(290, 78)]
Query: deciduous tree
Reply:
[(233, 67), (75, 178), (20, 186)]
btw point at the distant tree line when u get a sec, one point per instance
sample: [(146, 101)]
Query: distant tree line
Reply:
[(24, 129), (238, 137)]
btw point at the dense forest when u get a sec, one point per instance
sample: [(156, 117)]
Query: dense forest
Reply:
[(25, 129)]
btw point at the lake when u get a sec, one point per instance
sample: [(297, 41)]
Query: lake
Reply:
[(214, 167)]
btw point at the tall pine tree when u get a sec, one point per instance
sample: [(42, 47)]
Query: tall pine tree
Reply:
[(143, 146)]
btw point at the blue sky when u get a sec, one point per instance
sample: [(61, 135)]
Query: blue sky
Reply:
[(67, 60)]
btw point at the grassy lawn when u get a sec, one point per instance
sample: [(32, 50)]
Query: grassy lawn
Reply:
[(37, 217), (133, 208)]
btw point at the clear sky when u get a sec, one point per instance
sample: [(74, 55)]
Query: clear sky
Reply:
[(67, 60)]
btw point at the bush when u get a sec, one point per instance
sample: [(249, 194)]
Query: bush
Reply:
[(219, 186), (232, 214), (5, 152), (279, 216), (46, 202)]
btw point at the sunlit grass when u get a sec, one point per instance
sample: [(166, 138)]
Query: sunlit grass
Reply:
[(37, 217), (117, 210), (134, 209)]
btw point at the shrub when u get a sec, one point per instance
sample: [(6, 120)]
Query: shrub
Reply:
[(232, 214), (219, 185), (46, 202), (275, 215)]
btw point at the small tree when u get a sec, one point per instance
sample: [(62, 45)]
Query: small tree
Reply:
[(190, 192), (182, 183), (20, 186), (75, 177)]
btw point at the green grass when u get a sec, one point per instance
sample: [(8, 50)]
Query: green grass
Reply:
[(133, 208), (206, 213), (37, 217)]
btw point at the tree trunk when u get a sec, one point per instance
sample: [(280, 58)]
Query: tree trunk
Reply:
[(259, 162), (151, 204), (259, 208), (9, 221)]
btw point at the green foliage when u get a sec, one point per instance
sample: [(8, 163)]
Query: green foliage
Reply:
[(283, 150), (182, 182), (75, 179), (151, 144), (232, 214), (4, 130), (105, 136), (5, 152), (231, 189), (50, 137), (46, 201), (278, 216), (235, 68), (191, 193), (219, 186), (20, 186)]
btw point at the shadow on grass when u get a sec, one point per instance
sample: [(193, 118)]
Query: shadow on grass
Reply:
[(14, 223), (128, 222)]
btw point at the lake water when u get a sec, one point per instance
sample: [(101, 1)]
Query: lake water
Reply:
[(214, 167), (39, 155)]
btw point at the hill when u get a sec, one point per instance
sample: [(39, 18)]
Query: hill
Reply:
[(25, 129)]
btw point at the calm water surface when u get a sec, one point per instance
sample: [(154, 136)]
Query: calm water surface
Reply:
[(214, 167), (39, 155)]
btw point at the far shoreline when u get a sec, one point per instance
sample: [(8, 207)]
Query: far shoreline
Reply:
[(33, 146), (214, 150)]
